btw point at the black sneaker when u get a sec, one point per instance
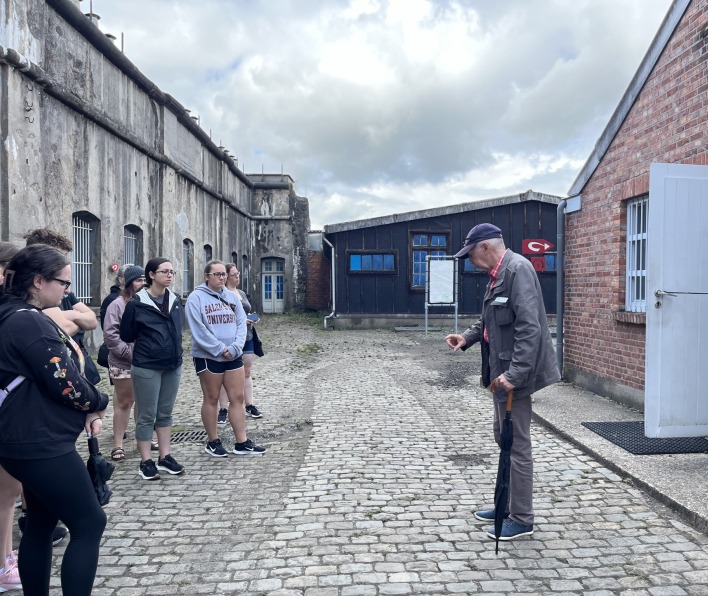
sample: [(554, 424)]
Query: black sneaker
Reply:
[(148, 471), (57, 537), (253, 412), (215, 448), (248, 448), (169, 465), (223, 417)]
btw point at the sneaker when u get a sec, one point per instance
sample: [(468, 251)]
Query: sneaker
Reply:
[(148, 471), (487, 515), (10, 578), (511, 530), (59, 535), (169, 465), (215, 448), (248, 448), (253, 412), (223, 416)]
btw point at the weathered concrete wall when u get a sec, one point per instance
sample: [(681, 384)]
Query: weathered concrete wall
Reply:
[(84, 131)]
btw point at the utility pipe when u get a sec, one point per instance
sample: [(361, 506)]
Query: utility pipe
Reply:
[(560, 281), (334, 286)]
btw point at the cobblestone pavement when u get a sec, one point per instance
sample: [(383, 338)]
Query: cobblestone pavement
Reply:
[(380, 448)]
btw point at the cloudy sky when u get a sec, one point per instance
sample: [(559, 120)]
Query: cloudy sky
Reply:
[(383, 106)]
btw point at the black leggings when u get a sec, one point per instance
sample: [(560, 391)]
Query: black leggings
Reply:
[(58, 488)]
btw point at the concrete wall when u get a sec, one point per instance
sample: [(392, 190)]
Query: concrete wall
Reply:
[(84, 131), (604, 346)]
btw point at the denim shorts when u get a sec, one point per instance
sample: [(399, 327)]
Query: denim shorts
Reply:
[(216, 367), (248, 347)]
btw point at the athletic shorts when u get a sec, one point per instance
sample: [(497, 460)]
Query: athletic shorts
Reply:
[(248, 347), (215, 367), (118, 373)]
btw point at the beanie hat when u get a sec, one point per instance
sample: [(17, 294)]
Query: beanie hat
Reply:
[(132, 273)]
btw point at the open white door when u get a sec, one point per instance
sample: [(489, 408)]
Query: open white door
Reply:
[(676, 383)]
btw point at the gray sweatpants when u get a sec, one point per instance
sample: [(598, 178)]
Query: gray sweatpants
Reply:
[(521, 477), (155, 395)]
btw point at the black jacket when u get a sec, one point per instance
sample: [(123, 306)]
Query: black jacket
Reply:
[(114, 293), (158, 339), (43, 416)]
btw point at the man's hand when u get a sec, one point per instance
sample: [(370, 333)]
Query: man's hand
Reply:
[(502, 383), (455, 341)]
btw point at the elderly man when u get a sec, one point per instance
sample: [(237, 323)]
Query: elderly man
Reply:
[(517, 353)]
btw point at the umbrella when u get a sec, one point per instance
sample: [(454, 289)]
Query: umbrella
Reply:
[(100, 471), (501, 490)]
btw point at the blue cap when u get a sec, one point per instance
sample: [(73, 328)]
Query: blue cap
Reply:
[(483, 231)]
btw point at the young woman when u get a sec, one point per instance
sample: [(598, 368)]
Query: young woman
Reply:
[(218, 325), (120, 358), (233, 278), (47, 403), (9, 487), (152, 320)]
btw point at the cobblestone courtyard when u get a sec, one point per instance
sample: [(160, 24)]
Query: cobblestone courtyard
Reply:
[(380, 448)]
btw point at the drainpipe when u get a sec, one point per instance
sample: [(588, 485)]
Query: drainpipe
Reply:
[(560, 282), (334, 287)]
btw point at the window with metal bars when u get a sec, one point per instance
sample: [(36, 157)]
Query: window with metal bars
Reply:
[(208, 252), (187, 266), (84, 229), (132, 245), (636, 288)]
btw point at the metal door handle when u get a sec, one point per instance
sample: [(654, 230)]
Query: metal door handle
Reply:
[(661, 293)]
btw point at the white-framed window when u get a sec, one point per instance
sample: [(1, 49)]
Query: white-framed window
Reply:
[(423, 244), (187, 266), (636, 287), (84, 235), (132, 245)]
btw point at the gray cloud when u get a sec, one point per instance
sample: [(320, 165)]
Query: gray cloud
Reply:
[(377, 106)]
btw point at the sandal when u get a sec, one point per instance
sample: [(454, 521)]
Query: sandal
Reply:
[(117, 454)]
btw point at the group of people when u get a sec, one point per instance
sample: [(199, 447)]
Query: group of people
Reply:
[(47, 399)]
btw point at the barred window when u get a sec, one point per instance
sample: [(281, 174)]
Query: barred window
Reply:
[(132, 245), (187, 266), (636, 288), (85, 256)]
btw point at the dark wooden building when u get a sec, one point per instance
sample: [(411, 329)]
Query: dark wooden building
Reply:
[(380, 270)]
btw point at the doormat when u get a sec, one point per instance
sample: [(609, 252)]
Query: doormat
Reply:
[(630, 436)]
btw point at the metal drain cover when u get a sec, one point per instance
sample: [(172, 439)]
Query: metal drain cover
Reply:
[(630, 437), (189, 436)]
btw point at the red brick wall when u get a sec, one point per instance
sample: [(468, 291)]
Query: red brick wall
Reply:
[(666, 124), (319, 289)]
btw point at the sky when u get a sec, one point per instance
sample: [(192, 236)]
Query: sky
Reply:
[(376, 107)]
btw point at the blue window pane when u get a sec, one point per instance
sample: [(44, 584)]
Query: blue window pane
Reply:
[(377, 262), (366, 262), (438, 240), (469, 266), (419, 256), (280, 266), (420, 240), (388, 263), (437, 254), (268, 291), (550, 262), (355, 262), (279, 287)]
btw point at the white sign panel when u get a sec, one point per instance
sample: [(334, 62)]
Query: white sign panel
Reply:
[(441, 281)]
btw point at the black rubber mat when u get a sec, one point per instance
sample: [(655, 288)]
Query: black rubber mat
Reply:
[(630, 436)]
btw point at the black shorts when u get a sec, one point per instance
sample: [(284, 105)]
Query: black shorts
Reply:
[(215, 367)]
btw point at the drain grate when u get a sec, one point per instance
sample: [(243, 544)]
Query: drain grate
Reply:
[(630, 437), (189, 436)]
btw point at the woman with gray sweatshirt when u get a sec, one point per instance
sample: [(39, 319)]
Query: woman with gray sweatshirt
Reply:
[(218, 325)]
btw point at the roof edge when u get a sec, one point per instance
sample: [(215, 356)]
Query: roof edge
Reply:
[(529, 195), (657, 47)]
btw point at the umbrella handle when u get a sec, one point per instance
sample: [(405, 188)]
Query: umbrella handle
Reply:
[(509, 395)]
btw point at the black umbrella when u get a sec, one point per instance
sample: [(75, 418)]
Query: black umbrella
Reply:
[(100, 471), (501, 490)]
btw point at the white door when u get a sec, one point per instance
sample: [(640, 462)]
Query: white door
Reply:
[(676, 382), (273, 285)]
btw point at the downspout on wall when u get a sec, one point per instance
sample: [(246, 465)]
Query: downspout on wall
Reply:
[(560, 282), (334, 285)]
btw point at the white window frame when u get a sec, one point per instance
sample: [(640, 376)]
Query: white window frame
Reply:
[(81, 262), (636, 260)]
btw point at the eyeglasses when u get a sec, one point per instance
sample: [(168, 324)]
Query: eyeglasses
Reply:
[(165, 271), (66, 282), (218, 274)]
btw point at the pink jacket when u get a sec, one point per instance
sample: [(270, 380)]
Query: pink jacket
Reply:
[(120, 354)]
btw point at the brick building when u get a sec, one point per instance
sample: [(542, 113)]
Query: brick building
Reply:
[(660, 119)]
